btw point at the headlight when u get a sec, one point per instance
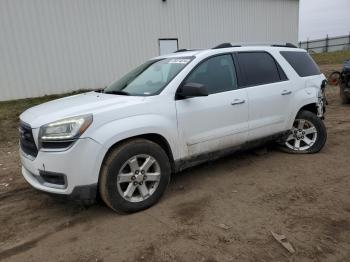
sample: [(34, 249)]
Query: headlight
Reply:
[(65, 129)]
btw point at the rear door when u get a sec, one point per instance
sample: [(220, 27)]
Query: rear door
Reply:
[(217, 121), (269, 93)]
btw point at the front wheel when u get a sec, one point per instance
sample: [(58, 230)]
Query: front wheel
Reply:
[(134, 176), (308, 134)]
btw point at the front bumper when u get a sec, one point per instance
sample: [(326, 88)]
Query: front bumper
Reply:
[(76, 169)]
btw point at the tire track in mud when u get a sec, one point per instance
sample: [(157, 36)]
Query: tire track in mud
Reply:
[(27, 245), (22, 247), (11, 193)]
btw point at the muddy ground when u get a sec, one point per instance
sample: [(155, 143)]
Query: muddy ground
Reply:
[(220, 211)]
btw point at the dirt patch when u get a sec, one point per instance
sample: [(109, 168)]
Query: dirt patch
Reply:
[(190, 212), (21, 247)]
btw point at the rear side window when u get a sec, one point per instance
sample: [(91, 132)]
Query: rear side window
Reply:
[(259, 68), (302, 63)]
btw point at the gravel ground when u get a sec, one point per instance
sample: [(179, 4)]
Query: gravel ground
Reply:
[(220, 211)]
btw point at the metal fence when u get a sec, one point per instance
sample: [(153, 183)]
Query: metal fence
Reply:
[(328, 44)]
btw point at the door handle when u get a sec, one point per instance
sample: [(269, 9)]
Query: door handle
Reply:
[(238, 102), (286, 92)]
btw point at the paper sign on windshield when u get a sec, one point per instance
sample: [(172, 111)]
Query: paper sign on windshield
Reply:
[(179, 61)]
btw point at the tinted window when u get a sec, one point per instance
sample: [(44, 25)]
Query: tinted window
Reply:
[(283, 76), (216, 73), (302, 63), (258, 68)]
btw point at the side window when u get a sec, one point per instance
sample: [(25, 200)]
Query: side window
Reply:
[(259, 68), (216, 73), (283, 76), (302, 63)]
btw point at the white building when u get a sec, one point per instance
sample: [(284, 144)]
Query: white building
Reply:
[(57, 46)]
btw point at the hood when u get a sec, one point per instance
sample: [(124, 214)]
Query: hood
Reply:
[(81, 104)]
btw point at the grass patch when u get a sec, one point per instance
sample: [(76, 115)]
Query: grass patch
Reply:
[(10, 111), (337, 57)]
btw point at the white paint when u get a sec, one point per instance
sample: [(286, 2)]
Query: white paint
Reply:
[(49, 47), (190, 126), (211, 123)]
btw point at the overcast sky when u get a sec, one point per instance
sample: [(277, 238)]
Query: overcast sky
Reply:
[(321, 17)]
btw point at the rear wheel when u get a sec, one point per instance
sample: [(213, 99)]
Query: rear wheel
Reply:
[(308, 134), (134, 176)]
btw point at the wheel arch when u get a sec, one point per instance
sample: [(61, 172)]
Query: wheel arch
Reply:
[(309, 105), (154, 137), (312, 107)]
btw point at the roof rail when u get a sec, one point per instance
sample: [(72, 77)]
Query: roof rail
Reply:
[(228, 45), (184, 50), (225, 45), (181, 50)]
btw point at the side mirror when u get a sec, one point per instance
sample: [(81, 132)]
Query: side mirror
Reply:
[(192, 90)]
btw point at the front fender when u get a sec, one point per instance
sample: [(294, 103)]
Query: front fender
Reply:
[(113, 132)]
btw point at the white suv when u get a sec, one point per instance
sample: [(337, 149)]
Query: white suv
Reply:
[(172, 112)]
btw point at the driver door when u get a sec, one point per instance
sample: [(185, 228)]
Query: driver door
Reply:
[(219, 120)]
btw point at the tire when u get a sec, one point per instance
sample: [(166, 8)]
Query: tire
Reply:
[(309, 143), (344, 98), (122, 170)]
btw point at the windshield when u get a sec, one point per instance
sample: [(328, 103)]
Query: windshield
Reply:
[(149, 78)]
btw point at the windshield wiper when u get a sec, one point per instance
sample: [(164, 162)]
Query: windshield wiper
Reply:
[(117, 92), (100, 90)]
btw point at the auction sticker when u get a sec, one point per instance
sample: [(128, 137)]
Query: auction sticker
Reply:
[(179, 61)]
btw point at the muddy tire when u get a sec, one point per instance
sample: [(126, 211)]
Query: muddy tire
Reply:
[(134, 176), (343, 97), (307, 136)]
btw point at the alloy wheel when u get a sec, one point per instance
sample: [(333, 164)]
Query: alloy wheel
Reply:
[(138, 178), (302, 136)]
